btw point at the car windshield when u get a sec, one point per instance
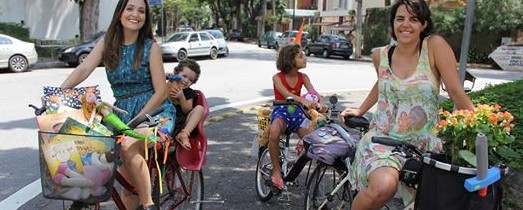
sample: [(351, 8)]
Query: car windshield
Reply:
[(216, 34), (178, 37)]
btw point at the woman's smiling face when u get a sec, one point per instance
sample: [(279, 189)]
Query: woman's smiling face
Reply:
[(133, 15), (407, 26)]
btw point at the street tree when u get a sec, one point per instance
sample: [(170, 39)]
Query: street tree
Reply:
[(89, 15)]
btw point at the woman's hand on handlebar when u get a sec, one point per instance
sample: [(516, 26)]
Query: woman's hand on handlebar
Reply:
[(351, 112)]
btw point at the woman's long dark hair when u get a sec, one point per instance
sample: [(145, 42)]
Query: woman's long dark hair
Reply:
[(114, 37), (415, 7)]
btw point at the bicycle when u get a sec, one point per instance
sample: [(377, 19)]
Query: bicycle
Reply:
[(329, 186), (291, 166), (182, 176)]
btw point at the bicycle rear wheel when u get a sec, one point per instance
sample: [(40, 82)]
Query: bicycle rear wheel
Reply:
[(182, 189), (319, 193), (263, 175)]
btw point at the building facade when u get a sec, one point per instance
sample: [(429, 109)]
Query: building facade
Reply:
[(52, 19)]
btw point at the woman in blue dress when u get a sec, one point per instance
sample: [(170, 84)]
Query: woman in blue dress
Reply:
[(134, 68)]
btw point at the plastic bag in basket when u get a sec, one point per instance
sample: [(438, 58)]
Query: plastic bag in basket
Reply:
[(77, 167)]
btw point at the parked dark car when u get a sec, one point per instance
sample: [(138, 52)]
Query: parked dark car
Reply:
[(270, 39), (289, 37), (234, 35), (327, 45), (76, 54)]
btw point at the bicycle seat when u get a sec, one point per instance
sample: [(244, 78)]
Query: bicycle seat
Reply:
[(354, 122), (194, 159)]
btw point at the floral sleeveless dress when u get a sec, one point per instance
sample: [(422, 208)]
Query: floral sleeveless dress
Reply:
[(407, 111), (133, 88)]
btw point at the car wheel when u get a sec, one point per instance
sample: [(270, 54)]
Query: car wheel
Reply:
[(325, 53), (18, 63), (81, 58), (214, 53), (307, 51), (182, 55), (347, 57), (259, 44), (276, 47)]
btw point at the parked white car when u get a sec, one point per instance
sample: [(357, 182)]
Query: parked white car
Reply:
[(190, 44), (15, 54), (222, 44)]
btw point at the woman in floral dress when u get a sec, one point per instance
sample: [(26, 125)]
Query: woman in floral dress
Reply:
[(406, 94)]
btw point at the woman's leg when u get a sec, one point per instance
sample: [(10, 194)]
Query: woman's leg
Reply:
[(128, 198), (133, 160), (382, 185), (277, 126)]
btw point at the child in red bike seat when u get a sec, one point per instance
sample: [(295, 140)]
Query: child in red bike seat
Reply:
[(288, 83), (188, 114)]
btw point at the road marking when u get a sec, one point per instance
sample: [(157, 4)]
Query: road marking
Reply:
[(22, 196), (32, 190)]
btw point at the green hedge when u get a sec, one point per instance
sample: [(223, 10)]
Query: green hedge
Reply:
[(15, 30), (498, 94)]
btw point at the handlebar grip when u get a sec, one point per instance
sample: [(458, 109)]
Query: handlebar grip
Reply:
[(386, 141), (145, 117)]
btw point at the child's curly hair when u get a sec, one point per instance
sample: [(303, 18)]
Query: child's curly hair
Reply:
[(286, 61), (191, 64)]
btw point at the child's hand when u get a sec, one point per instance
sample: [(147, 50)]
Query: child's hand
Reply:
[(175, 92), (323, 107)]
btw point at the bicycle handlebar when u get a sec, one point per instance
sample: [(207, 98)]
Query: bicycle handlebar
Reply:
[(147, 116), (395, 143)]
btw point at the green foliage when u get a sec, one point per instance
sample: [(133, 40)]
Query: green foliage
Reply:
[(313, 32), (376, 31), (499, 94), (15, 30)]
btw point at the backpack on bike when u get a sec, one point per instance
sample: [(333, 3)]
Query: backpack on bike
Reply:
[(326, 145)]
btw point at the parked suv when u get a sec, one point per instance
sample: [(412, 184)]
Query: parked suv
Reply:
[(288, 37), (270, 39), (76, 54), (327, 45)]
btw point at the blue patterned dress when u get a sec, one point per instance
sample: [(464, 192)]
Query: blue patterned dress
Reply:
[(133, 88)]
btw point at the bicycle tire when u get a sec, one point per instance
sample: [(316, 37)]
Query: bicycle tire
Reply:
[(263, 175), (322, 182), (174, 196)]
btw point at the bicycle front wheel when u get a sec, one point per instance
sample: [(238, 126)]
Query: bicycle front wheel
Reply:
[(323, 191), (263, 175)]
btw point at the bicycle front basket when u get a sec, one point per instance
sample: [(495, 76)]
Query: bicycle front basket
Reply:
[(77, 167)]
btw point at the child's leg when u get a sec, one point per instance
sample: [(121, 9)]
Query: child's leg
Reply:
[(193, 118), (277, 128)]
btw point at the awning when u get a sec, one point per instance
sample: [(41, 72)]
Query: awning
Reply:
[(299, 12), (324, 23)]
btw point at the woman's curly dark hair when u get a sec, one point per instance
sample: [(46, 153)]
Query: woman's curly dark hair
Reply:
[(286, 58), (415, 7)]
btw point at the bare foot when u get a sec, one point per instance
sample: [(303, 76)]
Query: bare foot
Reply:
[(183, 139)]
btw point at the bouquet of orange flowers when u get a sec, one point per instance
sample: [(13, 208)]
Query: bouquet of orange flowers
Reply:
[(458, 131)]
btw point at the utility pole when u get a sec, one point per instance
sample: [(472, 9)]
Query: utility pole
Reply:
[(359, 23), (466, 40), (293, 13)]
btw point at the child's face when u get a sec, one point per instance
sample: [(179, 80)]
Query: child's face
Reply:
[(188, 77), (301, 60)]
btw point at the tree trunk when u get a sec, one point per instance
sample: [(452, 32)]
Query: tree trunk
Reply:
[(89, 14)]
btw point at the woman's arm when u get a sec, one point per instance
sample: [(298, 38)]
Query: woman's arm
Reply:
[(158, 77), (82, 71), (444, 61)]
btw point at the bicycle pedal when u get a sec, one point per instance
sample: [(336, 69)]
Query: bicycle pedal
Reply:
[(285, 196)]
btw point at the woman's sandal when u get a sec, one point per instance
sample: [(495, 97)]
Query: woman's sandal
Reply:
[(184, 142)]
